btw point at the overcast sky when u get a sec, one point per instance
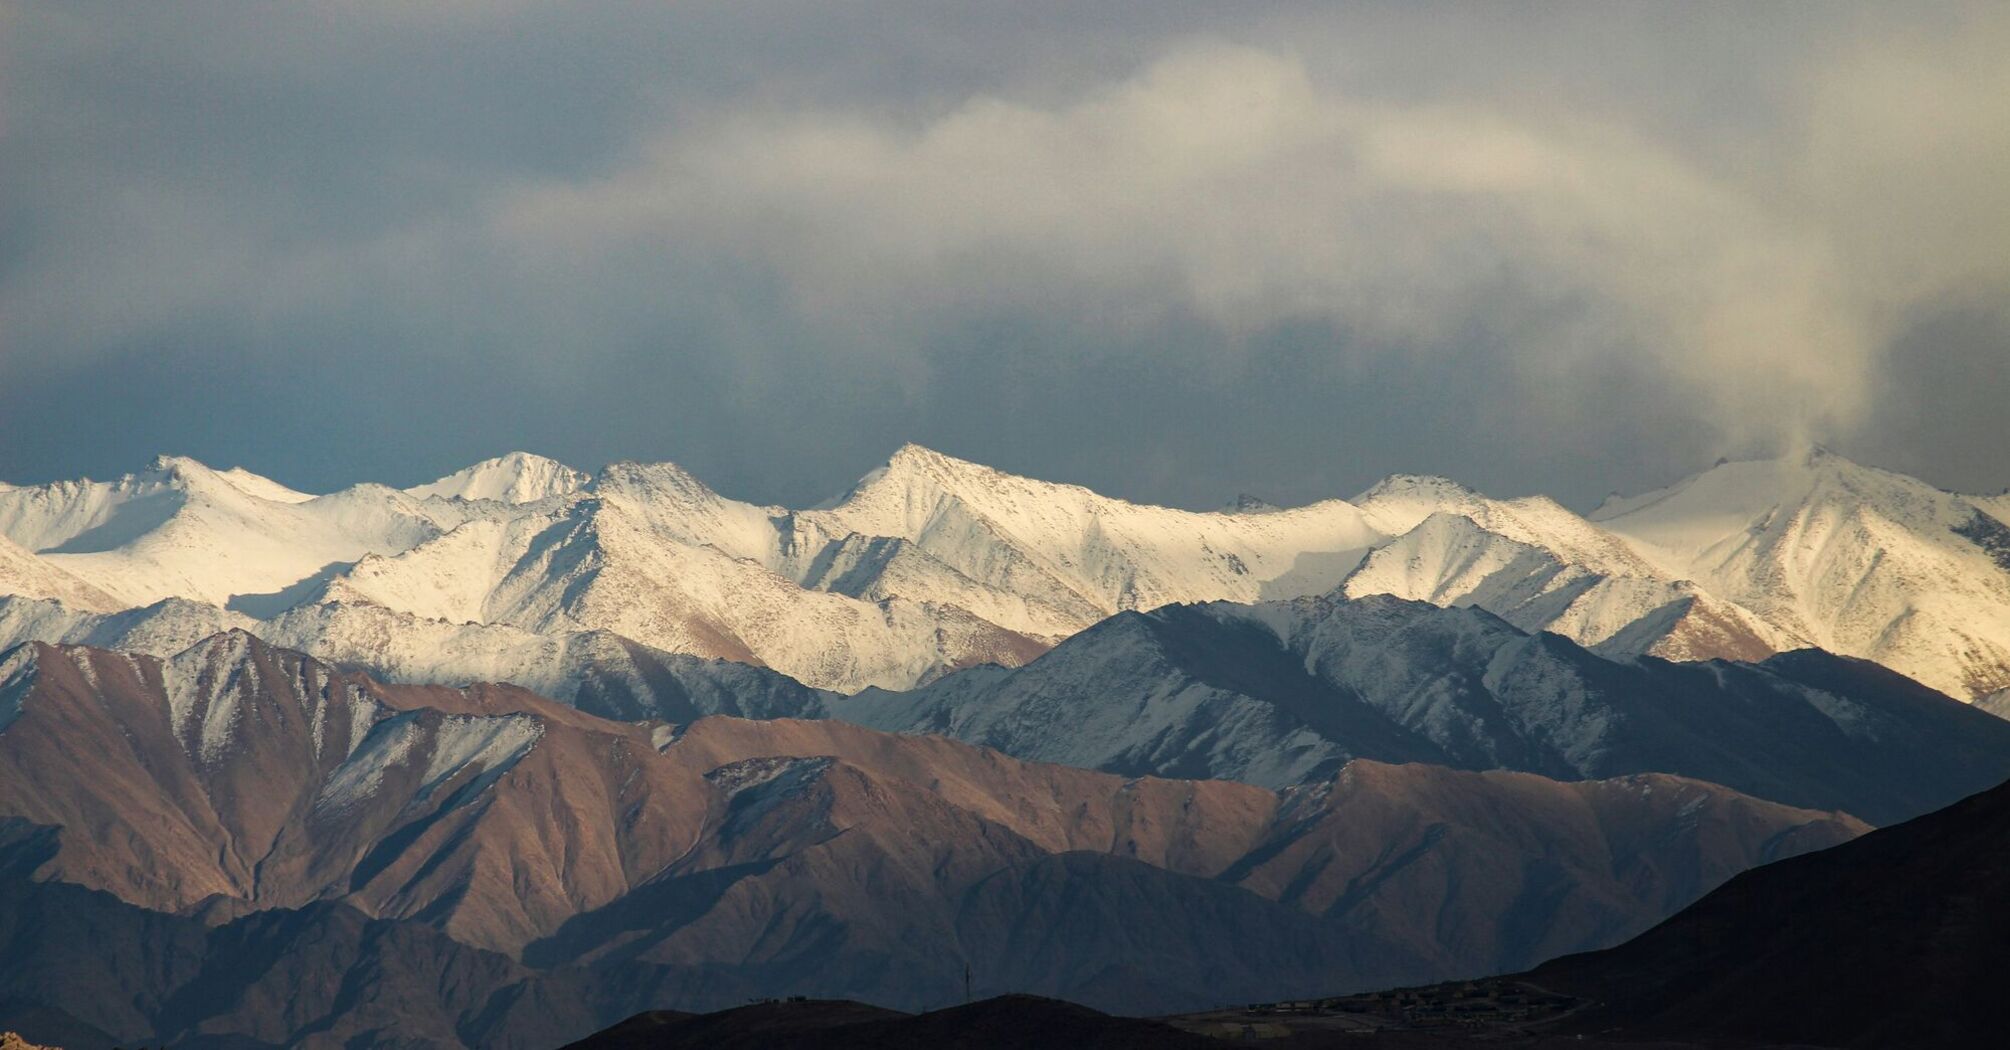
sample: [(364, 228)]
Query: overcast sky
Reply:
[(1171, 251)]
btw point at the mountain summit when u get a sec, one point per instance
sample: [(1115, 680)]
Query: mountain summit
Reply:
[(518, 477), (1850, 558), (932, 563)]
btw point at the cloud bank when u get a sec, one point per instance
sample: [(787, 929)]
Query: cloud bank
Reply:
[(1163, 257)]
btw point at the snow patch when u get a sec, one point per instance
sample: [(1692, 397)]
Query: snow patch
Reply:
[(744, 775), (388, 744), (17, 676), (447, 745), (491, 743)]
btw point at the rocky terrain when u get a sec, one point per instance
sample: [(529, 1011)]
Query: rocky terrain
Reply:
[(506, 758), (1285, 692), (260, 809)]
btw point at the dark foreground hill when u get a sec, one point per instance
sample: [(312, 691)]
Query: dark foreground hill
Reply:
[(1023, 1022), (1900, 938), (1008, 1022), (1897, 939)]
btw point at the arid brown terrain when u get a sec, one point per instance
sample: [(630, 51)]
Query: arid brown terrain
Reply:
[(290, 826)]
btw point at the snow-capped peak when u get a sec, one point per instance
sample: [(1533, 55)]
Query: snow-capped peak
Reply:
[(931, 561), (187, 473), (1075, 554), (1855, 559), (1413, 485), (190, 474), (1704, 508), (910, 466), (912, 462), (262, 487), (181, 528), (173, 465), (519, 477), (916, 455), (1244, 503), (1397, 503)]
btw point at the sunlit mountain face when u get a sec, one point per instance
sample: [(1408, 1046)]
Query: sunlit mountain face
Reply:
[(930, 564), (244, 711), (1051, 525)]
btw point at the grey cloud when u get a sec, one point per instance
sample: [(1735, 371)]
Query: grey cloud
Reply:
[(1222, 182), (1167, 250)]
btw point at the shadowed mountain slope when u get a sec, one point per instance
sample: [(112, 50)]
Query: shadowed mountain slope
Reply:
[(240, 791), (1898, 939), (1286, 692)]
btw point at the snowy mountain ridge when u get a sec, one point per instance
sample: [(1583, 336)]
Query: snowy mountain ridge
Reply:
[(931, 563), (518, 477), (1283, 693), (1852, 559)]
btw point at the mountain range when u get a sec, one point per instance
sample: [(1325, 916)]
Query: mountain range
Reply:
[(1894, 939), (930, 564), (1282, 693), (1274, 694), (505, 758), (241, 820)]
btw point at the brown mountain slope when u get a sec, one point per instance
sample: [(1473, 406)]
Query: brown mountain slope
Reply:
[(693, 866), (83, 966)]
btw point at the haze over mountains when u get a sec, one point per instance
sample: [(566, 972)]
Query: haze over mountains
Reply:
[(930, 564)]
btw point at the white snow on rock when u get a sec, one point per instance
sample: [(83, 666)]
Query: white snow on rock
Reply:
[(736, 777), (207, 686), (1996, 506), (1088, 554), (1281, 693), (387, 745), (491, 744), (262, 487), (1855, 560), (183, 530), (17, 671), (22, 572), (931, 563), (518, 477), (431, 748), (1570, 579)]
